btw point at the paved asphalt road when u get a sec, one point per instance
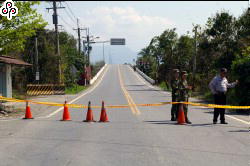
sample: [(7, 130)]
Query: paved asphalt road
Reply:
[(142, 136)]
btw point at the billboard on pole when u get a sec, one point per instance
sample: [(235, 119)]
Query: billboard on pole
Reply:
[(117, 41)]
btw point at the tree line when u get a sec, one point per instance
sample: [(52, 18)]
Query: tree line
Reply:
[(224, 41)]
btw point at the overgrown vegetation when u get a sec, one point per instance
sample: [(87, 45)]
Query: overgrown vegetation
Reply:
[(74, 89), (96, 67), (223, 42)]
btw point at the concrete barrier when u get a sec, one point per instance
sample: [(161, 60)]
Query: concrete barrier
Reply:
[(150, 80), (147, 78), (97, 75), (45, 89)]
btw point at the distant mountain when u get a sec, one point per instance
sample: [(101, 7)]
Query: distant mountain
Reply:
[(113, 54)]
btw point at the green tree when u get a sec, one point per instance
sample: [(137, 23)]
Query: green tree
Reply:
[(221, 31), (243, 30), (167, 48), (185, 52), (13, 33), (241, 70)]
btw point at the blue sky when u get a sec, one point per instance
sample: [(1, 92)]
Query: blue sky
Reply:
[(138, 21)]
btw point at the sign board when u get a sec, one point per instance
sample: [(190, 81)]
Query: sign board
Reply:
[(117, 41), (37, 76)]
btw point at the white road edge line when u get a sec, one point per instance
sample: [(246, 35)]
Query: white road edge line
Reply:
[(59, 109), (232, 117)]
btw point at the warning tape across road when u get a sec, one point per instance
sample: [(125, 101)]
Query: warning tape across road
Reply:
[(125, 106)]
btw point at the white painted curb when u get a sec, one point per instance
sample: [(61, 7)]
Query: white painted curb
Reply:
[(97, 75)]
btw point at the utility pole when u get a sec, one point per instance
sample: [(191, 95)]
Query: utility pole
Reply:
[(88, 47), (79, 35), (89, 41), (36, 61), (61, 27), (195, 52), (57, 51)]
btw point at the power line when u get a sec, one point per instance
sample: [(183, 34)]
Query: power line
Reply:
[(71, 18), (72, 13), (79, 35), (70, 10), (65, 22)]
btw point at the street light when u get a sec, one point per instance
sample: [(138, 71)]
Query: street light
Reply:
[(107, 41)]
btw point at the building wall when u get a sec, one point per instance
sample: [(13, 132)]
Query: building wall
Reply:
[(5, 80)]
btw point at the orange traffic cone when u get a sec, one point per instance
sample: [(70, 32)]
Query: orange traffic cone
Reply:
[(28, 114), (104, 116), (181, 115), (90, 116), (66, 115)]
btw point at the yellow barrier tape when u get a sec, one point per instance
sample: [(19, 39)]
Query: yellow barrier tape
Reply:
[(125, 106)]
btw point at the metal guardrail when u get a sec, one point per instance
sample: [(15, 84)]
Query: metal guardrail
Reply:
[(150, 80)]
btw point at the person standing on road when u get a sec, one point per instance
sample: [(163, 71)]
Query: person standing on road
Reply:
[(218, 86), (175, 93), (184, 93)]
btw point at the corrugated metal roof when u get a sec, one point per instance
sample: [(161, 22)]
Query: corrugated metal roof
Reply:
[(11, 60)]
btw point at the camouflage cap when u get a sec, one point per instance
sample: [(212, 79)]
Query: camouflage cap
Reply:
[(184, 73), (176, 70)]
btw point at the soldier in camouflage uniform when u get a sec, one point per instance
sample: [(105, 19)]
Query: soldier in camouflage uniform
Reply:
[(175, 92), (184, 89)]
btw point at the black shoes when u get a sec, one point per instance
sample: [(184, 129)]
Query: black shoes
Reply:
[(173, 119), (188, 121), (222, 122)]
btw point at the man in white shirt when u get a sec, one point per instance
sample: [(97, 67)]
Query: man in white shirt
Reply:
[(218, 86)]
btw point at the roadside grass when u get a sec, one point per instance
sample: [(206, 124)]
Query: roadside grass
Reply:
[(75, 89), (164, 86), (205, 96), (18, 94)]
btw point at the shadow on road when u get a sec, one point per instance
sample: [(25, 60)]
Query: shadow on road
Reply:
[(241, 131), (145, 90), (161, 122), (136, 85), (205, 124)]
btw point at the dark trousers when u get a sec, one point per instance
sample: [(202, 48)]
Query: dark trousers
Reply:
[(175, 107), (219, 99)]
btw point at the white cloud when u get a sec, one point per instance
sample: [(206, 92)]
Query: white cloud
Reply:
[(137, 28)]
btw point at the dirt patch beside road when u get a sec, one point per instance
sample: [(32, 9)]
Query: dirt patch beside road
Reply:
[(11, 112)]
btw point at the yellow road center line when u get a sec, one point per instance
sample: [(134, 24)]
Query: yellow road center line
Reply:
[(124, 91), (133, 108)]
